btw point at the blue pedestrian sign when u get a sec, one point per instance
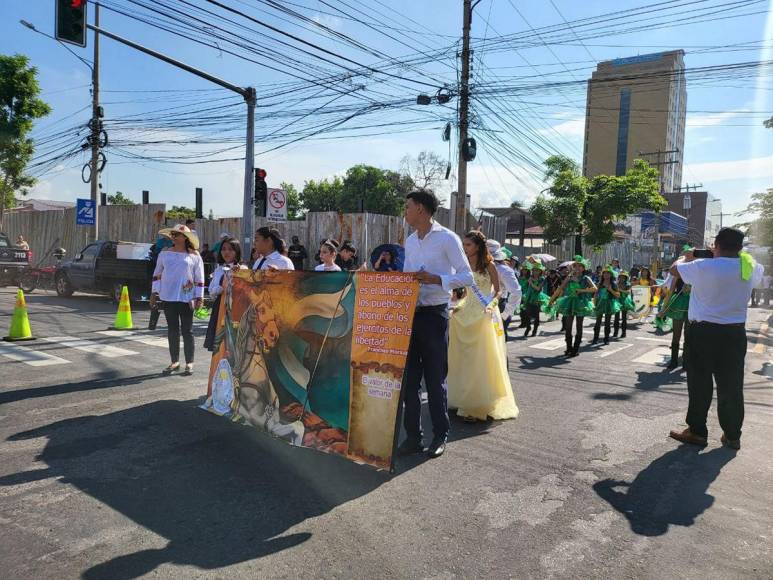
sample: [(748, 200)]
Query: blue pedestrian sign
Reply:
[(85, 212)]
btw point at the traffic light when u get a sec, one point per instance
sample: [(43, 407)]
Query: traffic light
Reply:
[(71, 21), (261, 192)]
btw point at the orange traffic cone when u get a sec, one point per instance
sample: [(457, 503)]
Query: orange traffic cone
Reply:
[(20, 323), (123, 318)]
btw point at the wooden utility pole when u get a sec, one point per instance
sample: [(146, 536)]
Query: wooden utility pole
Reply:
[(95, 126), (460, 220), (661, 156)]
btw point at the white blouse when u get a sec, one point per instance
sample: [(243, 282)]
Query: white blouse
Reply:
[(326, 268), (274, 259), (216, 283), (178, 277)]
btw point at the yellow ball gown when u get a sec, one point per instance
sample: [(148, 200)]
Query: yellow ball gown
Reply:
[(478, 382)]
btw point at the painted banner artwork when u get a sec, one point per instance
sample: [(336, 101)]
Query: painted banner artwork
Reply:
[(315, 358), (642, 299)]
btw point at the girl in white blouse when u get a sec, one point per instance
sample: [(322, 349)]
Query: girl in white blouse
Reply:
[(228, 259), (178, 281), (327, 253)]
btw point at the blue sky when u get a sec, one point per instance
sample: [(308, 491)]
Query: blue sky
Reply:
[(727, 149)]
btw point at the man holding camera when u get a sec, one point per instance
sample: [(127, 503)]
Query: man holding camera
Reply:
[(721, 288)]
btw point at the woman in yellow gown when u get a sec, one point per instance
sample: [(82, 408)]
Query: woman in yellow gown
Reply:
[(478, 381)]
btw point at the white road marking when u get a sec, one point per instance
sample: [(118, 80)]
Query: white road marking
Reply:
[(759, 348), (156, 341), (555, 344), (656, 356), (663, 340), (28, 356), (609, 351), (104, 350)]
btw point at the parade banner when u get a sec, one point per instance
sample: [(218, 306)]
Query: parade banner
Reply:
[(315, 358), (642, 300)]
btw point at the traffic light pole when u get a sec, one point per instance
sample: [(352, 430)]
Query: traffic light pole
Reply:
[(95, 125), (250, 97), (464, 104)]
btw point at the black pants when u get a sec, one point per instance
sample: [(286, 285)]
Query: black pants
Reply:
[(716, 351), (532, 314), (568, 320), (679, 328), (179, 319), (755, 297), (607, 326), (427, 358), (621, 322)]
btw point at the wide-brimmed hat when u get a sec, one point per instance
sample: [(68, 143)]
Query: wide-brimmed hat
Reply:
[(535, 265), (184, 230), (495, 249)]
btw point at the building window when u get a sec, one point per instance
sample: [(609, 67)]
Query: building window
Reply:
[(622, 131)]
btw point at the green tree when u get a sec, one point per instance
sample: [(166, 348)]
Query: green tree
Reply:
[(19, 107), (294, 209), (761, 228), (576, 205), (119, 199), (382, 191), (181, 213), (322, 195)]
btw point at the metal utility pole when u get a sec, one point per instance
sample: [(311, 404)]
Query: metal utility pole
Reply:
[(249, 95), (464, 121), (660, 162), (95, 122)]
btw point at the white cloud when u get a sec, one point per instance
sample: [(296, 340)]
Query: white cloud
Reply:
[(574, 127), (699, 121), (741, 169), (332, 22)]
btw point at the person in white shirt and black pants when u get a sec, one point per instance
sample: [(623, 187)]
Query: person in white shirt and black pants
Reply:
[(435, 254), (178, 281), (720, 293)]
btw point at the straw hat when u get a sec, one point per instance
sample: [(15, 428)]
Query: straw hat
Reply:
[(184, 230), (495, 249)]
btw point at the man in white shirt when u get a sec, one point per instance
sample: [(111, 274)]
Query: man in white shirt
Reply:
[(508, 280), (720, 293), (435, 254)]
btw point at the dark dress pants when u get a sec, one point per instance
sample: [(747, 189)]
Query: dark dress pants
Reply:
[(179, 320), (717, 351), (428, 359)]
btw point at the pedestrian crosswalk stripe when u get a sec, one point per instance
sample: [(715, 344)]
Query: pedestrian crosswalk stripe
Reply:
[(554, 344), (156, 341), (28, 356), (652, 339), (104, 350), (609, 351), (655, 356)]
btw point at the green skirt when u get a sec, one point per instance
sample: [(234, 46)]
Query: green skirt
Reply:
[(575, 305), (626, 303), (678, 306), (531, 296), (608, 305)]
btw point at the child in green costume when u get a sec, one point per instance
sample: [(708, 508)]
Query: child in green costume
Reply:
[(626, 303), (574, 299), (534, 297), (607, 303)]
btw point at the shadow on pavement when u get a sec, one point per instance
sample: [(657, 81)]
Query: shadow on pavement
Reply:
[(105, 380), (532, 363), (219, 493), (672, 490), (650, 381)]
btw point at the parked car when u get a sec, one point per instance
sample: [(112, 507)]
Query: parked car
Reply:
[(104, 267), (13, 261)]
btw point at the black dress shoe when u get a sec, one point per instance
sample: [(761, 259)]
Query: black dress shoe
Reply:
[(437, 447), (410, 447)]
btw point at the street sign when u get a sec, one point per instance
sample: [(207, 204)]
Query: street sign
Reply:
[(276, 208), (85, 212)]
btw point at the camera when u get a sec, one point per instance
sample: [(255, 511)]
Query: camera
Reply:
[(703, 253)]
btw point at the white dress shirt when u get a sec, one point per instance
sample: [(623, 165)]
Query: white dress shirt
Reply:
[(508, 282), (325, 268), (216, 283), (439, 252), (275, 259), (179, 276), (718, 293)]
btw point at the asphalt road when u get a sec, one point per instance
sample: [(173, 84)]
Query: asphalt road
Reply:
[(109, 470)]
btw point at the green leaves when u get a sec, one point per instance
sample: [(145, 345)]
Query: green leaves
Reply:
[(19, 107), (576, 205)]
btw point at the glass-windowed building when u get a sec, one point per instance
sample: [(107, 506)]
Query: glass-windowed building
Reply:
[(637, 106)]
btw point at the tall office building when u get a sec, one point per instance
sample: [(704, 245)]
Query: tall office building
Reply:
[(637, 106)]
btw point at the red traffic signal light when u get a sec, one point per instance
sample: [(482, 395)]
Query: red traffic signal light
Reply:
[(260, 174), (71, 21)]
